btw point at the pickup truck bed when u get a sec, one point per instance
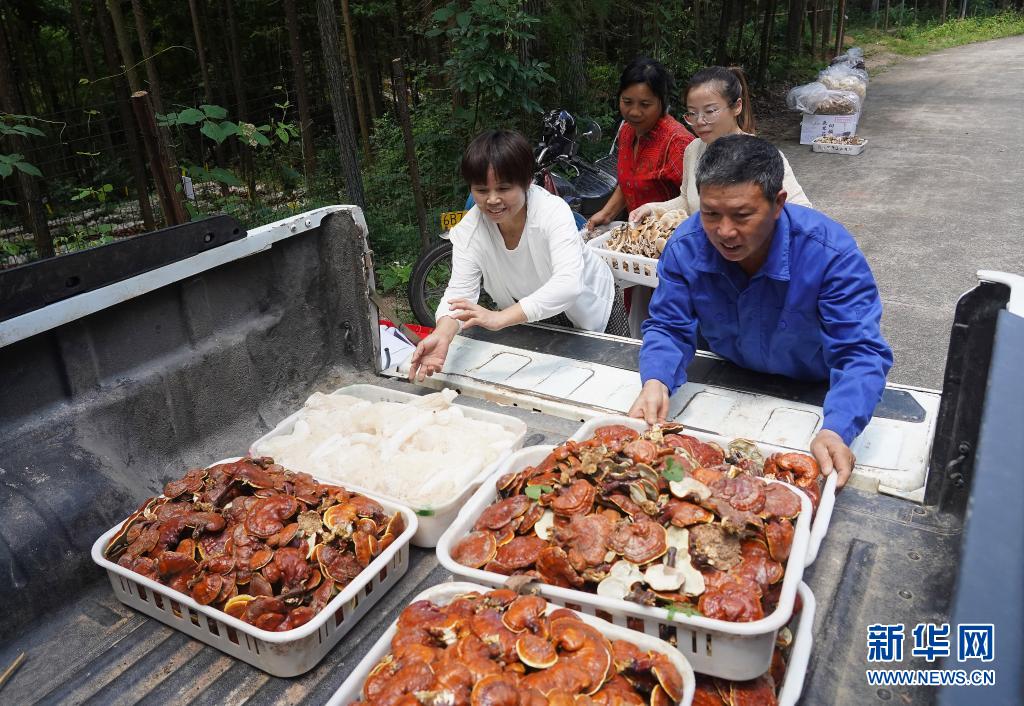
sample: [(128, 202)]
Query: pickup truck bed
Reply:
[(101, 408)]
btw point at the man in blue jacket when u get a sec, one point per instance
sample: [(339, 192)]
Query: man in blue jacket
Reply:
[(773, 287)]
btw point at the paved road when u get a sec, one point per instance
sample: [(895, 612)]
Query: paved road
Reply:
[(938, 194)]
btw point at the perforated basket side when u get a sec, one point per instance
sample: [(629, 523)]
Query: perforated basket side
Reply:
[(282, 654), (800, 655), (634, 269)]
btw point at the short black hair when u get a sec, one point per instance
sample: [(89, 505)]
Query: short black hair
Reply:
[(742, 159), (506, 151), (652, 72)]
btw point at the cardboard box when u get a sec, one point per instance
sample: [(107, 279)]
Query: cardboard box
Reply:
[(813, 126)]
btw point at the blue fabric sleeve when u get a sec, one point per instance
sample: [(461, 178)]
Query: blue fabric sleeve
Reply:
[(854, 349), (670, 334)]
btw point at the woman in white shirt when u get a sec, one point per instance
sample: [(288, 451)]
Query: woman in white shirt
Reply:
[(523, 242), (717, 104)]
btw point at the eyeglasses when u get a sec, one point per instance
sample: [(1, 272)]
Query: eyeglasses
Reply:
[(692, 116)]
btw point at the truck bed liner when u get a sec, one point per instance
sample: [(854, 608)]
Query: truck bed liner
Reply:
[(95, 650)]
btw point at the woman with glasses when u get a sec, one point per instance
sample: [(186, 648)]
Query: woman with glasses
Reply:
[(717, 104), (651, 142)]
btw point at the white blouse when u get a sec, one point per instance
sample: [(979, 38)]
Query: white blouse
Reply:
[(689, 199), (550, 272)]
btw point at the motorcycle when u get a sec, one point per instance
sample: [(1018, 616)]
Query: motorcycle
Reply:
[(559, 168)]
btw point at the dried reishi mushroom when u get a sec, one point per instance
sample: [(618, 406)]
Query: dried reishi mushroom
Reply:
[(780, 501), (780, 535), (536, 652), (714, 546), (689, 487), (638, 542), (237, 536), (610, 515), (475, 549)]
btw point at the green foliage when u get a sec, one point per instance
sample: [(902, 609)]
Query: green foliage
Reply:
[(485, 39), (85, 237), (99, 194), (394, 276), (10, 162), (922, 38), (17, 126), (217, 174)]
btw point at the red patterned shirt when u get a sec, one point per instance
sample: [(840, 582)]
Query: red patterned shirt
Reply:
[(651, 169)]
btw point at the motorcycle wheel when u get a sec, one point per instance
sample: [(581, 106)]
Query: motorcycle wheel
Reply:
[(428, 281)]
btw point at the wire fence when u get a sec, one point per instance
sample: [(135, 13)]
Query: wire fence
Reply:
[(90, 195)]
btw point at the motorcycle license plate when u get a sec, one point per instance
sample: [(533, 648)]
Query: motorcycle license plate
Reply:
[(449, 219)]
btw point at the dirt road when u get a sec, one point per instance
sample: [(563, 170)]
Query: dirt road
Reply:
[(937, 195)]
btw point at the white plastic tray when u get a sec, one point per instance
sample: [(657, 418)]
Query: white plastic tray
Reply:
[(800, 655), (632, 269), (282, 654), (838, 149), (718, 647), (433, 520), (822, 518), (442, 594)]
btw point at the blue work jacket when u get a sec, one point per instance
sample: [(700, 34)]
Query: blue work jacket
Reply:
[(811, 312)]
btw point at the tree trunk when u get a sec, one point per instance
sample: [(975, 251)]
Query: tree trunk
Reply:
[(357, 89), (826, 29), (124, 45), (794, 27), (944, 8), (337, 84), (131, 133), (305, 123), (813, 16), (722, 51), (740, 27), (696, 17), (147, 54), (885, 20), (766, 40), (79, 23), (963, 9), (840, 27), (238, 82), (10, 102), (367, 41), (410, 153), (200, 52)]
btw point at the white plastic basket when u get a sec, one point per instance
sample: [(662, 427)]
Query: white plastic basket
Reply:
[(718, 647), (838, 149), (444, 593), (822, 518), (282, 654), (631, 269), (433, 520), (800, 655)]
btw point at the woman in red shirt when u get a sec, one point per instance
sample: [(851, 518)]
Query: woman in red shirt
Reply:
[(650, 141)]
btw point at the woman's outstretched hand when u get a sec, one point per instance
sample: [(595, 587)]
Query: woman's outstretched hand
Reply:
[(429, 356), (472, 314), (647, 209)]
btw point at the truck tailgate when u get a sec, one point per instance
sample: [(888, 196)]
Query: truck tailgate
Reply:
[(580, 375)]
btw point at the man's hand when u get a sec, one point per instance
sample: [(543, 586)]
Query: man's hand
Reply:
[(832, 453), (428, 358), (471, 315), (652, 403)]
